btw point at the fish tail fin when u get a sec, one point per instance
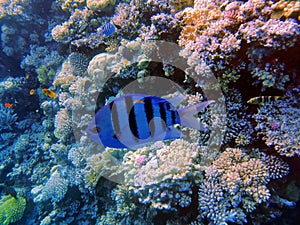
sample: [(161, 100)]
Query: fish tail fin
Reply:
[(187, 117)]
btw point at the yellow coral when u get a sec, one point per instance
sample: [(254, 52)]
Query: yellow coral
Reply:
[(97, 5), (179, 5), (70, 5), (12, 8), (63, 123), (11, 209), (196, 20), (65, 77), (240, 170), (61, 32), (287, 9), (101, 164)]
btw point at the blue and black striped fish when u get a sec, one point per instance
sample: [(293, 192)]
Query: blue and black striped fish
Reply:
[(108, 29), (134, 120)]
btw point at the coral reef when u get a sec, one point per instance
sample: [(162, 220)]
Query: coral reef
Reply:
[(217, 31), (13, 8), (63, 123), (99, 5), (229, 183), (285, 9), (55, 188), (11, 209), (7, 118), (58, 67), (278, 122)]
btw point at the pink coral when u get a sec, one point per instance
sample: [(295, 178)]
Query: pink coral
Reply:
[(140, 160)]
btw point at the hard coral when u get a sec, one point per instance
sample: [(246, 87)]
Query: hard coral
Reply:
[(74, 28), (272, 33), (70, 5), (286, 9), (277, 167), (12, 8), (278, 123), (11, 209), (7, 118), (179, 5), (234, 184), (63, 123), (97, 5), (55, 188)]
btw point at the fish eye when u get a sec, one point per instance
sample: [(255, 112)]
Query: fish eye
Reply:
[(95, 130)]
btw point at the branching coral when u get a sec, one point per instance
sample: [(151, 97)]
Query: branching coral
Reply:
[(43, 62), (194, 178), (7, 118), (12, 42), (179, 5), (277, 168), (216, 30), (70, 5), (82, 21), (231, 189), (205, 31), (12, 8), (55, 188), (286, 9), (63, 124), (73, 28), (96, 5), (128, 17), (278, 122), (272, 33)]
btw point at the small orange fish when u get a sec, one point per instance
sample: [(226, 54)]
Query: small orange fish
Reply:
[(27, 77), (31, 92), (49, 93), (8, 105)]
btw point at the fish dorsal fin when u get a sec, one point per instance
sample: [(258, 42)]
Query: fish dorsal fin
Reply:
[(175, 101)]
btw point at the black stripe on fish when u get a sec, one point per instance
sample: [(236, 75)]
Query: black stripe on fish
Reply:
[(163, 114), (132, 117), (115, 118), (150, 114), (173, 114), (261, 100), (169, 119)]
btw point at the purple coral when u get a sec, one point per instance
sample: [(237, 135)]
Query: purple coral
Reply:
[(140, 160)]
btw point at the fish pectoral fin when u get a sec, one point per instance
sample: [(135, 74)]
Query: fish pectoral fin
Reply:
[(173, 132)]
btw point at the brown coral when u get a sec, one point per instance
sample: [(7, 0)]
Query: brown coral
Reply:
[(179, 5), (286, 9)]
